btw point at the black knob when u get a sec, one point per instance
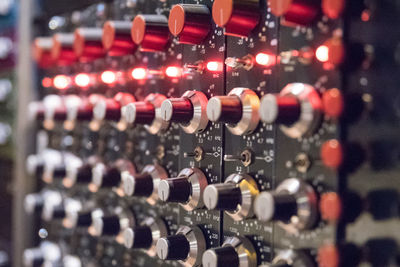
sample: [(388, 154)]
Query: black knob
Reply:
[(59, 171), (84, 174), (33, 257), (142, 112), (225, 196), (175, 247), (107, 225), (175, 190), (269, 206), (33, 203), (84, 219), (280, 109), (177, 110), (223, 256), (226, 109), (138, 237), (140, 185), (106, 176), (53, 211)]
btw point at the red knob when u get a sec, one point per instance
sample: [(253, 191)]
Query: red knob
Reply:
[(332, 154), (239, 17), (88, 44), (117, 38), (333, 103), (333, 8), (302, 12), (189, 22), (150, 32), (42, 51), (63, 52), (332, 51)]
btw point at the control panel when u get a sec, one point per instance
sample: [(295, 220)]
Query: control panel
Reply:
[(216, 133)]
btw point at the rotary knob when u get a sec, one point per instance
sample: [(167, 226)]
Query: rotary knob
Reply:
[(78, 219), (150, 32), (146, 235), (35, 165), (34, 203), (110, 176), (238, 17), (42, 47), (235, 196), (189, 22), (187, 246), (233, 249), (106, 225), (298, 109), (147, 112), (280, 109), (292, 258), (53, 211), (111, 224), (186, 189), (117, 38), (88, 44), (78, 109), (63, 52), (33, 257), (54, 110), (239, 110), (189, 110), (54, 170), (80, 172), (294, 203), (110, 108), (36, 111), (144, 184), (302, 12)]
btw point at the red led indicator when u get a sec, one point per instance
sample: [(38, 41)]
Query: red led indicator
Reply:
[(264, 59), (173, 72), (61, 82), (47, 82), (82, 80), (322, 53), (214, 66), (108, 77), (139, 73)]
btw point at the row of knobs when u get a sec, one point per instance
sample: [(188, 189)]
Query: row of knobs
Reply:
[(298, 109), (238, 196), (187, 244), (191, 23)]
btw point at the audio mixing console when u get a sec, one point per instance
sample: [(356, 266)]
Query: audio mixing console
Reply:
[(216, 133)]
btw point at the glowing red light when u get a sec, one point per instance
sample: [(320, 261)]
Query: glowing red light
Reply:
[(61, 82), (47, 82), (214, 66), (82, 80), (139, 73), (265, 59), (173, 72), (322, 53), (108, 77)]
